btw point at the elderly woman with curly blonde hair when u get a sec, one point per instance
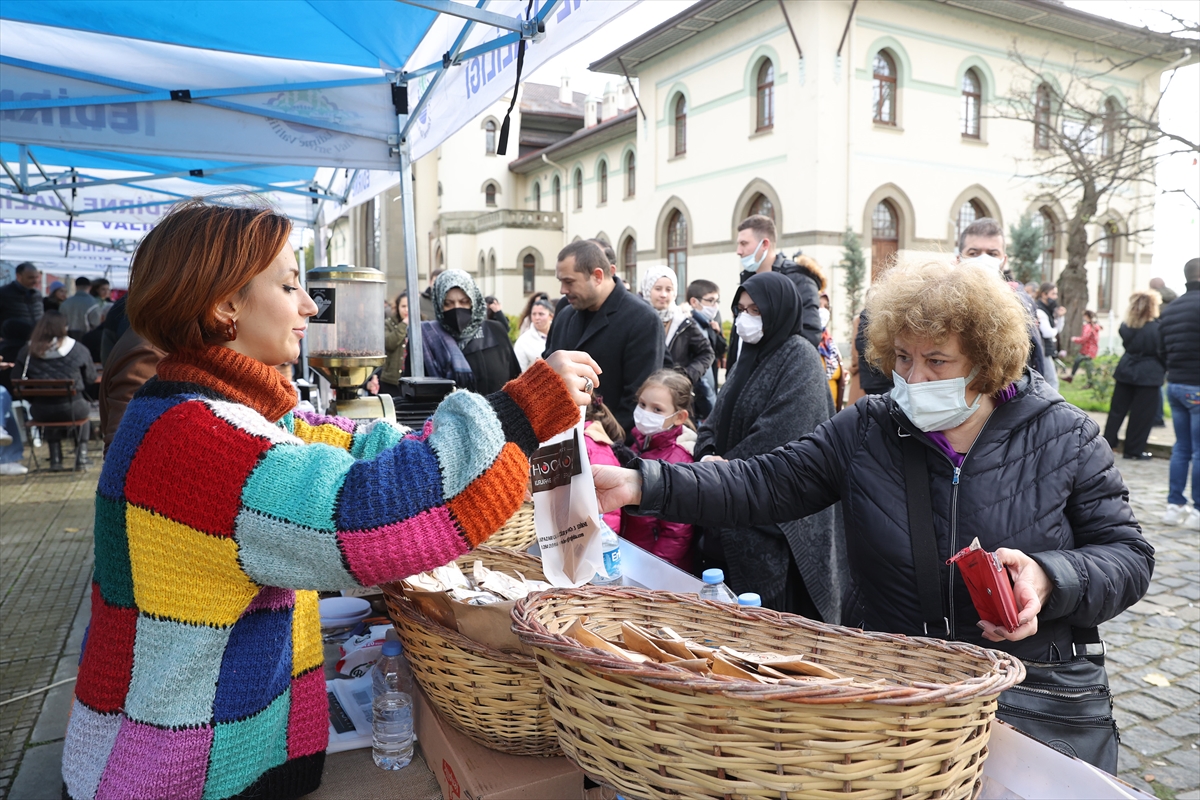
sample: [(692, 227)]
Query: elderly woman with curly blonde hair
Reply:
[(1007, 462)]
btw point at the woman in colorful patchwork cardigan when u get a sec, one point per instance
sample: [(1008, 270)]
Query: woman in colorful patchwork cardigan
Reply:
[(221, 510)]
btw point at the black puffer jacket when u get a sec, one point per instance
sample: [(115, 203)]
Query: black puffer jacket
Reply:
[(1039, 479), (1179, 332), (1141, 364), (689, 350)]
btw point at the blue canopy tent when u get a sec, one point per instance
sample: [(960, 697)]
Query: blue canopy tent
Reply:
[(258, 94)]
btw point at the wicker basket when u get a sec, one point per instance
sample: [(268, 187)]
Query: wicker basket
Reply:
[(518, 533), (496, 698), (911, 720)]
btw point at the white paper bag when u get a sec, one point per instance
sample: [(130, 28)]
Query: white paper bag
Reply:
[(564, 510)]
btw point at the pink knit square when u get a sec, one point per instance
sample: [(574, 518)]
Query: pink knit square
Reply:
[(308, 717), (152, 762), (271, 598), (400, 549)]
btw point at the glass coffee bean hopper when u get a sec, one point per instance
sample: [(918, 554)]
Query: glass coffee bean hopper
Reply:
[(345, 338)]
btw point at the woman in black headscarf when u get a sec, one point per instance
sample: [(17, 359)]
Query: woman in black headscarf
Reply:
[(776, 393), (461, 343)]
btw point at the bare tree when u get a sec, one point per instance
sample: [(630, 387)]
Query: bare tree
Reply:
[(1088, 151)]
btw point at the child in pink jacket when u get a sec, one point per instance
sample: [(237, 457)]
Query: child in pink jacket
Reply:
[(600, 430), (661, 414), (1089, 345)]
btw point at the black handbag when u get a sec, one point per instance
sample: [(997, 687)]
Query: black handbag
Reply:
[(1064, 704)]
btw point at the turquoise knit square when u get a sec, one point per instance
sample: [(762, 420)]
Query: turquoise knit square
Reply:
[(278, 553), (112, 569), (242, 751), (467, 438), (372, 442), (175, 670), (299, 484)]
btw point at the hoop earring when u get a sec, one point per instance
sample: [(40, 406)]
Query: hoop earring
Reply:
[(231, 330)]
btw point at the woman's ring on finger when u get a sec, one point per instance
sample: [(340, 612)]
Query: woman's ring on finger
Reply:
[(587, 386)]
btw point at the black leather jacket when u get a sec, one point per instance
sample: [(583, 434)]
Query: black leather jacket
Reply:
[(1039, 478)]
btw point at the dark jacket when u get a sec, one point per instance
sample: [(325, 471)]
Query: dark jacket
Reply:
[(870, 380), (1179, 337), (715, 338), (1141, 364), (690, 351), (490, 356), (1038, 478), (1037, 350), (624, 335), (807, 285), (17, 302)]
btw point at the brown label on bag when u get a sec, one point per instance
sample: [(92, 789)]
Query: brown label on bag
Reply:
[(555, 464)]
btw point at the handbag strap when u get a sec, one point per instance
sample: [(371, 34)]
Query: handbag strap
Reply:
[(920, 534)]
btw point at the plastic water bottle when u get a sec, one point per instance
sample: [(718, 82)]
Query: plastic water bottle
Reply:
[(714, 587), (749, 599), (391, 672), (610, 543), (392, 708), (392, 729)]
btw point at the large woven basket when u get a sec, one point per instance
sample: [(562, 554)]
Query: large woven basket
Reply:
[(518, 533), (495, 698), (911, 720)]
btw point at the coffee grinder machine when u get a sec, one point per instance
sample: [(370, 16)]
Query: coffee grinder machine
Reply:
[(345, 338)]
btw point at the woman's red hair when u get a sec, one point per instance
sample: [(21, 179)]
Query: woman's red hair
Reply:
[(199, 255)]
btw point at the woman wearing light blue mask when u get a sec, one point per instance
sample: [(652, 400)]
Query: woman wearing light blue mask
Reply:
[(1008, 462)]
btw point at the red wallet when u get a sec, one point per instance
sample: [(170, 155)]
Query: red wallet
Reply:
[(987, 581)]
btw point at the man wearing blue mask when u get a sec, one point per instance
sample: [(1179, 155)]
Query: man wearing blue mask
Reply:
[(756, 239), (981, 244)]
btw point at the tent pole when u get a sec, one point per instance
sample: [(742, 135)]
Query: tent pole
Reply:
[(416, 350)]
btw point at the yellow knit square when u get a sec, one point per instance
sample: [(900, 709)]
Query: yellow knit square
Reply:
[(325, 434), (183, 574), (307, 649)]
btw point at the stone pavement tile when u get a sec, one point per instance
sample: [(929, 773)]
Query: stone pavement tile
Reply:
[(1171, 622), (1147, 741), (1168, 600), (1119, 685), (1123, 658), (1141, 704), (1178, 696), (1181, 725), (1117, 625), (1188, 613), (1193, 795), (1175, 777), (1173, 583), (1178, 666), (40, 776), (1186, 757), (1189, 590), (1189, 681), (1189, 639), (56, 709)]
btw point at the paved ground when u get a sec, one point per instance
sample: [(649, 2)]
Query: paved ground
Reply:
[(46, 561)]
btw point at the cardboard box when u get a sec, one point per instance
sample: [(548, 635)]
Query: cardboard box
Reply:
[(468, 771)]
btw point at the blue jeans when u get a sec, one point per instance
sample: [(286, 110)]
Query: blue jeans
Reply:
[(11, 453), (1185, 413)]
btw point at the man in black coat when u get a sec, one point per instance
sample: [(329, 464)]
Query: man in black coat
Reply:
[(756, 239), (1179, 348), (618, 329), (21, 299)]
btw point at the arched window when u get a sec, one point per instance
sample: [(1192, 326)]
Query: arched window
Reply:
[(1108, 134), (489, 194), (630, 175), (677, 238), (602, 178), (482, 269), (489, 137), (1041, 119), (761, 204), (528, 266), (439, 257), (629, 262), (885, 237), (492, 272), (766, 95), (972, 95), (680, 125), (557, 194), (885, 88), (1049, 237), (1105, 272), (578, 189), (968, 212), (537, 196)]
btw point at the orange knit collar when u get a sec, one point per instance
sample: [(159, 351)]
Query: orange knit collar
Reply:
[(240, 378)]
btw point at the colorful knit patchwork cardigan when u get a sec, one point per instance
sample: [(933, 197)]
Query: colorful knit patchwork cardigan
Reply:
[(219, 512)]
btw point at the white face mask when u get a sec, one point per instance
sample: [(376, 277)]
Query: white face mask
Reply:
[(749, 327), (823, 313), (648, 422), (709, 312), (935, 405), (984, 261), (749, 262)]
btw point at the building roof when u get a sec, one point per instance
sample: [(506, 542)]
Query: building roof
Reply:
[(538, 98), (1050, 16), (623, 124)]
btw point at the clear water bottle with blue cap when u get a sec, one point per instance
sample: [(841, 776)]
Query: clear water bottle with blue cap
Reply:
[(714, 587), (610, 545), (750, 599)]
